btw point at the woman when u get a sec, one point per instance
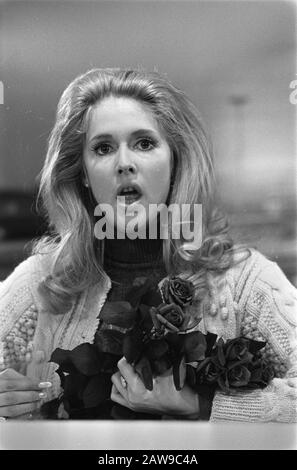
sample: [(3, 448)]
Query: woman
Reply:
[(133, 134)]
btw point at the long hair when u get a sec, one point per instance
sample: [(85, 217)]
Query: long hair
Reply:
[(69, 207)]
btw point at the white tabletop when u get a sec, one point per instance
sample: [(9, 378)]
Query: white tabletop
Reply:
[(144, 435)]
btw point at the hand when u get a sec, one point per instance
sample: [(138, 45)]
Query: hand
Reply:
[(128, 390), (20, 396)]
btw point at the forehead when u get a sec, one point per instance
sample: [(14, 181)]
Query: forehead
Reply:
[(120, 114)]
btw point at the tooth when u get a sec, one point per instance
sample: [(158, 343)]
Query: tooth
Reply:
[(128, 189)]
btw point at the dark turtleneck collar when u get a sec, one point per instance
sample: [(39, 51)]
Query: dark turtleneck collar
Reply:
[(138, 251)]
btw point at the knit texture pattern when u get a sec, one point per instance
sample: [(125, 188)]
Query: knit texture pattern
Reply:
[(253, 298)]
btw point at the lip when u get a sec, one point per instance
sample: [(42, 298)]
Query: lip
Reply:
[(129, 185)]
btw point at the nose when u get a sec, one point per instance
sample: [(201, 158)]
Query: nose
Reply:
[(126, 164)]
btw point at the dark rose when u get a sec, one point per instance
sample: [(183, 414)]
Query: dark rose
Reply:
[(178, 291), (207, 372), (237, 350), (238, 376), (171, 313), (261, 374), (232, 379)]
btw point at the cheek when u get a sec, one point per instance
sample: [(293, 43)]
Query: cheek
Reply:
[(100, 185), (160, 179)]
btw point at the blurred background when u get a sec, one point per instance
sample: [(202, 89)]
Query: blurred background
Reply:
[(234, 59)]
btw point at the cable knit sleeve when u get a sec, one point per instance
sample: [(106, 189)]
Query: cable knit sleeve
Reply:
[(18, 312), (269, 314)]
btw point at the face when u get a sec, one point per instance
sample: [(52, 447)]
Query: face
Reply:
[(126, 155)]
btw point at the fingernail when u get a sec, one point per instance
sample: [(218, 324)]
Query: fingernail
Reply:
[(42, 395), (45, 385)]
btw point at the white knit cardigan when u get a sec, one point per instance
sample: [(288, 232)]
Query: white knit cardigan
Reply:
[(253, 298)]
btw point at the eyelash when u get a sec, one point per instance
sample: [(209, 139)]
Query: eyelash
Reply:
[(153, 144)]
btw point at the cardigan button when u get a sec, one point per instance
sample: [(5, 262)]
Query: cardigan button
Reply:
[(30, 332), (213, 310), (224, 313)]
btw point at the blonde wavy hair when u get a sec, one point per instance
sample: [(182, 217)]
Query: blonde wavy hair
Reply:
[(69, 206)]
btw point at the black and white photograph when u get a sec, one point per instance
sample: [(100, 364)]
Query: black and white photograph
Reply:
[(148, 215)]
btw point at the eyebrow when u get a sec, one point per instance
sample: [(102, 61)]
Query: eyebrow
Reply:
[(136, 133)]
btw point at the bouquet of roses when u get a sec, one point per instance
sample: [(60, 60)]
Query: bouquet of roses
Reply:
[(155, 328)]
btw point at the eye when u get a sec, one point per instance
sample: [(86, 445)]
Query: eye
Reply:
[(102, 148), (146, 144)]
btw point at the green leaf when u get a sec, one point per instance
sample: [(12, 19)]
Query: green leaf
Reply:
[(74, 386), (109, 341), (145, 319), (160, 366), (210, 341), (179, 373), (176, 343), (108, 362), (62, 358), (143, 368), (224, 384), (155, 349), (97, 390), (191, 376), (85, 359), (133, 345), (195, 346), (255, 346)]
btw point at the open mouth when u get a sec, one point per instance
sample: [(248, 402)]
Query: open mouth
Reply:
[(131, 193)]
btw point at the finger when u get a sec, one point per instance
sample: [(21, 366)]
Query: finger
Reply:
[(18, 410), (10, 373), (22, 383), (127, 370), (19, 381), (16, 398), (118, 398), (116, 380)]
